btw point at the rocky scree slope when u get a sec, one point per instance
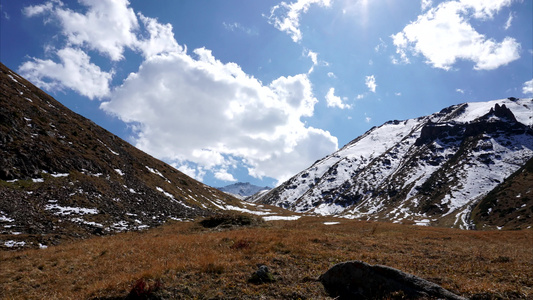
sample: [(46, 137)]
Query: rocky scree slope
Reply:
[(62, 176), (433, 170)]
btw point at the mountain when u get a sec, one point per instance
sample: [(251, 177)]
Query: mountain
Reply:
[(242, 190), (510, 204), (433, 170), (64, 177)]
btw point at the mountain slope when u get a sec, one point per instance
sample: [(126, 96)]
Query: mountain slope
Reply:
[(430, 170), (62, 176), (242, 190), (510, 204)]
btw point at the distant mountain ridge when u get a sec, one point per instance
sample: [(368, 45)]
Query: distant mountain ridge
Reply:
[(242, 190), (63, 177), (433, 170)]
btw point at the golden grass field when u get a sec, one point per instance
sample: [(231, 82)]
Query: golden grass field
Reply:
[(186, 261)]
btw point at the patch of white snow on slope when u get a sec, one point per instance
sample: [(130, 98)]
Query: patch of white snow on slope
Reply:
[(285, 218), (12, 244), (68, 210), (331, 223), (244, 210)]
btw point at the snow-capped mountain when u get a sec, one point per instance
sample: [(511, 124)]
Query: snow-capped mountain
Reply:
[(242, 190), (431, 170)]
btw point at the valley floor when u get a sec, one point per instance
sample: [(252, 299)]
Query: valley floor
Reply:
[(183, 260)]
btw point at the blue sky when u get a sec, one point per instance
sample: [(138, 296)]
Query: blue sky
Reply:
[(256, 91)]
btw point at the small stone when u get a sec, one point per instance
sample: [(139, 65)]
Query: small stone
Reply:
[(262, 275)]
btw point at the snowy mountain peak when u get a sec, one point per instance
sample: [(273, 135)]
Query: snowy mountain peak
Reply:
[(428, 170), (242, 190)]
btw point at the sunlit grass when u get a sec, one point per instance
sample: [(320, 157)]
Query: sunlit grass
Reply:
[(192, 262)]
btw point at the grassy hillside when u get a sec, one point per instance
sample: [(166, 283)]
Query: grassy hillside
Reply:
[(184, 260)]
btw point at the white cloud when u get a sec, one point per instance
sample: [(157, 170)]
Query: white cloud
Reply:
[(335, 101), (75, 72), (370, 82), (235, 26), (460, 91), (332, 75), (224, 175), (509, 21), (485, 9), (381, 46), (108, 26), (527, 89), (198, 113), (425, 4), (286, 17), (197, 173), (34, 10), (204, 111), (444, 34), (313, 56), (161, 38), (398, 94)]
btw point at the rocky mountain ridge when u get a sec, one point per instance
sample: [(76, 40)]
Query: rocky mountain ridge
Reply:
[(64, 177), (432, 170)]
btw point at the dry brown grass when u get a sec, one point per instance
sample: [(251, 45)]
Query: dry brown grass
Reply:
[(191, 262)]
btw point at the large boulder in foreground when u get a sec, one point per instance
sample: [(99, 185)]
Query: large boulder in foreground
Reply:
[(359, 280)]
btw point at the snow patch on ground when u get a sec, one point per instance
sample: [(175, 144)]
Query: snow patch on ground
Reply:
[(68, 210), (285, 218), (11, 244), (331, 223), (59, 175)]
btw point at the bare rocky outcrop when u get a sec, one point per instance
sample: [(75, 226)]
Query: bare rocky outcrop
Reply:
[(359, 280)]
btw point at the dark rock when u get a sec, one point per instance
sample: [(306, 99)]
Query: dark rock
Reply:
[(359, 280), (262, 275)]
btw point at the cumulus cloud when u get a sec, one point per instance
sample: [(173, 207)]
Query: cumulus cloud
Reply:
[(527, 89), (335, 101), (224, 175), (286, 17), (197, 173), (194, 111), (198, 109), (444, 34), (160, 38), (109, 27), (370, 82), (75, 71)]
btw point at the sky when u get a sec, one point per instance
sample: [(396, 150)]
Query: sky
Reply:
[(256, 91)]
